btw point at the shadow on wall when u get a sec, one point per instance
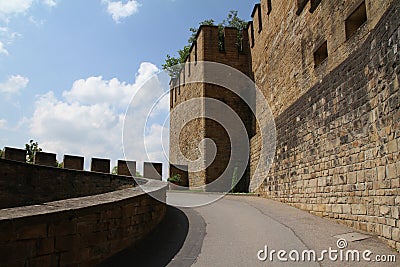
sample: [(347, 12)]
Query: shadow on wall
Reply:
[(166, 242)]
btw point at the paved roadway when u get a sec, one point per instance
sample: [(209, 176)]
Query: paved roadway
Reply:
[(232, 230)]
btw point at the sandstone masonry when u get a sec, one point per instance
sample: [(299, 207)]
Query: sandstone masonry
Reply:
[(330, 72)]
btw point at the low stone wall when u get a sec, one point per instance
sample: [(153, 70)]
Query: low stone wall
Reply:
[(24, 184), (81, 231)]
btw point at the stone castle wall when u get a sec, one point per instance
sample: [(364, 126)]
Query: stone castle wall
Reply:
[(187, 136), (329, 71), (24, 184), (337, 122), (80, 231), (53, 216)]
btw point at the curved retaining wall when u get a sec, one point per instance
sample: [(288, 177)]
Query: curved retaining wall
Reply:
[(24, 184), (79, 231)]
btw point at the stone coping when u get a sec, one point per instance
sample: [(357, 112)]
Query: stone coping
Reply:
[(73, 204)]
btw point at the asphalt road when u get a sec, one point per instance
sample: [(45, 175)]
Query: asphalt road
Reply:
[(235, 230)]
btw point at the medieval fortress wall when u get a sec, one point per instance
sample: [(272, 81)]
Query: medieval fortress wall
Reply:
[(330, 72), (337, 121), (186, 136), (52, 216)]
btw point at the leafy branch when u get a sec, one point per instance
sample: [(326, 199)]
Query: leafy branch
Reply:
[(31, 149)]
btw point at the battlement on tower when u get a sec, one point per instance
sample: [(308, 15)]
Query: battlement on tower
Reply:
[(227, 46), (213, 44)]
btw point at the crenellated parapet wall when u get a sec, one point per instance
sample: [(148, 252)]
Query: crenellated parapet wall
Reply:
[(52, 216), (28, 184)]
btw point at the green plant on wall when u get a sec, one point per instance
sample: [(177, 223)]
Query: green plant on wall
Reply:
[(115, 172), (175, 179), (31, 148), (59, 164)]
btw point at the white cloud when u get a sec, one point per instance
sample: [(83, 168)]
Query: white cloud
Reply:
[(8, 7), (2, 49), (7, 35), (118, 10), (50, 3), (90, 118), (3, 123), (36, 22), (83, 129), (96, 90), (14, 84)]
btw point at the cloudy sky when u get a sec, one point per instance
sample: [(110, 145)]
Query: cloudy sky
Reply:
[(69, 69)]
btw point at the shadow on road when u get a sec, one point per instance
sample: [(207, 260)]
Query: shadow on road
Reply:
[(160, 247)]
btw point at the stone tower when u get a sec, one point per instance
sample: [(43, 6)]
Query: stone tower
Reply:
[(228, 47)]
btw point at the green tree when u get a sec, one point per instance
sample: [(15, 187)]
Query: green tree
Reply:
[(172, 64), (192, 39), (1, 153), (234, 21), (31, 149)]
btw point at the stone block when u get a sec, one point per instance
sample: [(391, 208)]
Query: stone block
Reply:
[(337, 208), (14, 154), (358, 209), (152, 170), (381, 172), (395, 213), (384, 210), (392, 146), (67, 243), (65, 227), (126, 168), (45, 246), (73, 162), (346, 209), (46, 260), (391, 171), (100, 165), (32, 232), (396, 234), (387, 231), (45, 159)]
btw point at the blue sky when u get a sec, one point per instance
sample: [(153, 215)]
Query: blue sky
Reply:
[(69, 67)]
